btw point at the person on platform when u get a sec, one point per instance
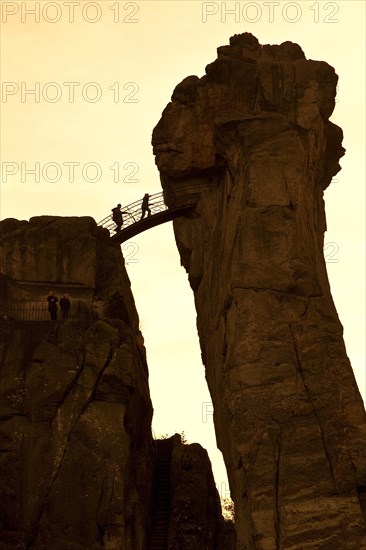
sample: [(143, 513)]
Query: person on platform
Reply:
[(52, 305), (65, 306)]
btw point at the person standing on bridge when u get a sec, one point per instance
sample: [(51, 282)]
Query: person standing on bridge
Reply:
[(145, 206), (117, 217)]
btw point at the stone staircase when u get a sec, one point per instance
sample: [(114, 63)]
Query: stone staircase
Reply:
[(158, 538)]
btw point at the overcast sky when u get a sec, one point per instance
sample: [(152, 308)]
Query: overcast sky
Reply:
[(84, 84)]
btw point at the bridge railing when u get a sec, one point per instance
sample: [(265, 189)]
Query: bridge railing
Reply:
[(133, 212)]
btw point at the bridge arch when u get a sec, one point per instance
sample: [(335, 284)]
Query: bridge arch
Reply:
[(160, 213)]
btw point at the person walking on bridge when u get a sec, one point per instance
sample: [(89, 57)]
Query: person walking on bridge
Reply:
[(145, 206), (117, 217)]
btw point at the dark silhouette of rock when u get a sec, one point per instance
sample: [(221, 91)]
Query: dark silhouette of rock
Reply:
[(77, 461), (77, 451), (253, 136), (187, 510)]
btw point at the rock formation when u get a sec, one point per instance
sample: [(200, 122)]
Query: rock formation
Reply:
[(252, 139), (77, 452), (187, 510), (77, 460)]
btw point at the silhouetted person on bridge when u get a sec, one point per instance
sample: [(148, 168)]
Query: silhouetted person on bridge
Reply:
[(145, 206), (117, 217), (52, 305), (65, 306)]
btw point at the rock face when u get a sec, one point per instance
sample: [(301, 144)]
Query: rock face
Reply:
[(64, 255), (77, 460), (75, 421), (195, 510), (253, 138), (187, 510)]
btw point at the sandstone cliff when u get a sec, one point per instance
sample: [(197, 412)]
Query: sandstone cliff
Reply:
[(78, 466), (252, 138), (186, 501), (75, 421)]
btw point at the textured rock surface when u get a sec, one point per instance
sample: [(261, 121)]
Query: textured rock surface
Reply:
[(253, 136), (64, 255), (195, 521), (76, 455), (75, 411)]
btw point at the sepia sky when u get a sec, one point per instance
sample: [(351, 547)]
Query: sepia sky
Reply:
[(84, 84)]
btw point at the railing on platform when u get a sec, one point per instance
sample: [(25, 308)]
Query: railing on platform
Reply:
[(37, 310)]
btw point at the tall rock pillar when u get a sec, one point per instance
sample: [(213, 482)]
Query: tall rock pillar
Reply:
[(252, 139)]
